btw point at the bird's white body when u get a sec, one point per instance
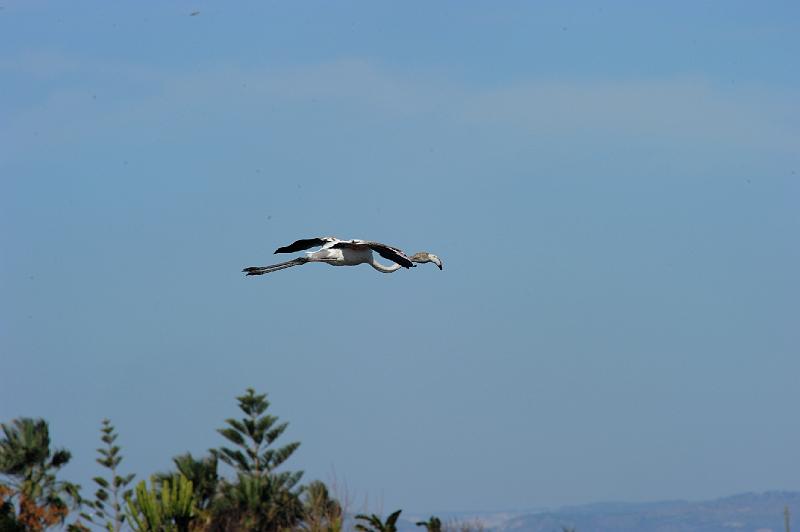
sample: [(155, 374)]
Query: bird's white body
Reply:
[(349, 257), (341, 257)]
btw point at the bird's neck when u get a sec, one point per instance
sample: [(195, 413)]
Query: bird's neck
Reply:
[(384, 268)]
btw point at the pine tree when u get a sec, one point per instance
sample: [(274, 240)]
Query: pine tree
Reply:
[(261, 498), (107, 504), (253, 435)]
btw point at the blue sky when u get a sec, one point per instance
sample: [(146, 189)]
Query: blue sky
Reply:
[(613, 191)]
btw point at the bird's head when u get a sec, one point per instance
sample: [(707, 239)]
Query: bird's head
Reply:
[(424, 256)]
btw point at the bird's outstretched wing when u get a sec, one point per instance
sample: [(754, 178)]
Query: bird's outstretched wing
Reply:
[(387, 252), (306, 243)]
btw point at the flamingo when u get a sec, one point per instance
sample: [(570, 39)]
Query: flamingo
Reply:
[(338, 252)]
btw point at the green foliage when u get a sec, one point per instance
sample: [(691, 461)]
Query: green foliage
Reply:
[(26, 460), (261, 498), (434, 524), (253, 436), (206, 483), (202, 473), (257, 503), (28, 469), (321, 512), (168, 507), (373, 523), (8, 518), (107, 505)]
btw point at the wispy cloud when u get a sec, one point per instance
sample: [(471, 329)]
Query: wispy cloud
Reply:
[(104, 97), (692, 110)]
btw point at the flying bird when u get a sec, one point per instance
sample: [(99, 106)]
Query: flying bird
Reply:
[(338, 252)]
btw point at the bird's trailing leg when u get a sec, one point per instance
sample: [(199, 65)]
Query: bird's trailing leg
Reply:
[(261, 270)]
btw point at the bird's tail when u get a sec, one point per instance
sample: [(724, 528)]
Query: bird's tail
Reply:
[(261, 270)]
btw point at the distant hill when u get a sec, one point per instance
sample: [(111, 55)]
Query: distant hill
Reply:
[(748, 512)]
